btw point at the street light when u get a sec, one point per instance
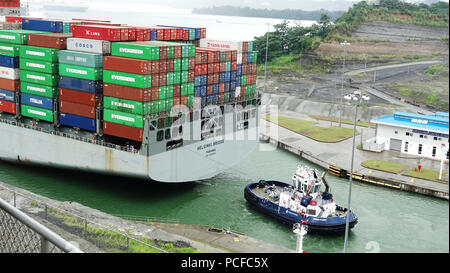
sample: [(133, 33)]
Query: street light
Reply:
[(357, 98), (344, 44)]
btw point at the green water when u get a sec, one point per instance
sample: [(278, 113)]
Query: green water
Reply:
[(389, 220)]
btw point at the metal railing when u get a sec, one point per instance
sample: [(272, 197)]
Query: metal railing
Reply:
[(20, 233)]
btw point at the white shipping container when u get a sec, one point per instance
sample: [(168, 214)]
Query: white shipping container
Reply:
[(239, 58), (233, 45), (9, 73), (89, 45), (237, 93)]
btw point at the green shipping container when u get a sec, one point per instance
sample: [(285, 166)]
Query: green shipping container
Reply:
[(184, 76), (37, 113), (127, 79), (243, 80), (177, 77), (127, 106), (39, 78), (80, 58), (10, 49), (16, 36), (81, 72), (170, 52), (170, 78), (38, 66), (39, 53), (185, 64), (154, 107), (228, 66), (37, 89), (123, 118), (138, 50), (177, 63)]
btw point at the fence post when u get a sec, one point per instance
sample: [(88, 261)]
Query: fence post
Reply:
[(45, 245)]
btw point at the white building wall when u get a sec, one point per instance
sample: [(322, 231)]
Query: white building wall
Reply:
[(386, 132)]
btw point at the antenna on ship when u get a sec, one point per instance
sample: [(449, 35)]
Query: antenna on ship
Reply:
[(300, 229)]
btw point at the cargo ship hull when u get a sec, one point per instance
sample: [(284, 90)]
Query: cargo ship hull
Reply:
[(195, 160)]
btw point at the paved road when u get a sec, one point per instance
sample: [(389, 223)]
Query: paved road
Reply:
[(359, 71)]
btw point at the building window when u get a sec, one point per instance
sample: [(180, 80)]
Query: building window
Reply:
[(434, 152), (420, 149), (421, 136), (407, 133), (396, 132), (435, 138), (406, 147)]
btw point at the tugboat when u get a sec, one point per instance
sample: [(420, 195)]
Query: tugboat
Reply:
[(301, 202)]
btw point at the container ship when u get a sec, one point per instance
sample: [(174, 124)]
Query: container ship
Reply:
[(162, 103)]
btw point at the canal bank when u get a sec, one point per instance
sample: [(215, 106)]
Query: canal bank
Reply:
[(338, 155)]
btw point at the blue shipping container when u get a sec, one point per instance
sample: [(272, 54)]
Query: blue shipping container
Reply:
[(77, 121), (238, 70), (232, 86), (198, 80), (153, 36), (8, 61), (197, 91), (81, 84), (42, 25), (7, 95), (216, 88), (204, 79), (38, 101), (222, 77), (233, 76), (227, 87)]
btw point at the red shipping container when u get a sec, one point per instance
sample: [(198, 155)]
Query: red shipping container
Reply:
[(11, 85), (191, 63), (91, 21), (244, 69), (216, 78), (8, 107), (176, 100), (204, 69), (221, 88), (10, 3), (78, 96), (122, 131), (184, 100), (77, 109), (18, 19), (129, 65), (51, 40), (243, 91), (154, 94), (177, 51), (191, 76), (233, 65), (170, 65), (210, 68), (202, 33), (210, 79), (176, 90), (221, 98), (127, 92), (100, 32), (209, 90), (216, 67), (223, 67), (198, 70)]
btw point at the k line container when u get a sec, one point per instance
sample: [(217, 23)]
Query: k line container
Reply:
[(37, 101), (130, 65), (7, 95), (122, 131), (127, 106), (80, 84), (77, 96), (77, 109), (80, 58), (39, 66), (16, 36), (11, 85), (98, 32), (82, 72), (39, 53), (89, 45), (37, 89), (81, 122), (123, 118), (127, 79), (9, 73), (51, 40), (39, 78), (36, 112), (8, 61), (7, 106), (42, 25), (130, 93)]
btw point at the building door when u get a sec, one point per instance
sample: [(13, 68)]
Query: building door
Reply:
[(396, 144), (433, 154)]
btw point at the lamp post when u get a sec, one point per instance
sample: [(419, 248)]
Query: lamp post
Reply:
[(344, 44), (357, 98), (267, 50)]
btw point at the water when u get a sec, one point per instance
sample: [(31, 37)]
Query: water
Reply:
[(389, 220)]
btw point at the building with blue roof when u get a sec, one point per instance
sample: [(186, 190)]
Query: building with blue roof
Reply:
[(415, 134)]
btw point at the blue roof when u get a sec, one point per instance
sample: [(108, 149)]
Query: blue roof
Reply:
[(434, 123), (442, 114)]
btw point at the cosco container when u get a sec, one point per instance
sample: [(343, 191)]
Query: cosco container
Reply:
[(130, 93), (89, 45), (123, 131), (82, 72), (81, 122), (80, 58), (129, 65), (16, 36), (127, 79), (7, 95), (9, 73), (80, 84), (77, 109), (127, 106), (37, 101), (11, 85), (10, 49), (36, 112), (9, 61), (7, 106), (38, 66), (137, 50), (77, 96), (51, 40), (42, 25), (38, 89), (123, 118), (39, 78), (39, 53)]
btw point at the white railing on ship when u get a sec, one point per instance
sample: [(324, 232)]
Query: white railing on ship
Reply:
[(97, 142)]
